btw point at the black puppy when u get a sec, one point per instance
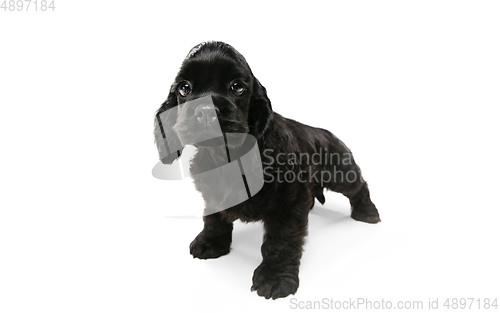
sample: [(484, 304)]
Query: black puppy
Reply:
[(299, 161)]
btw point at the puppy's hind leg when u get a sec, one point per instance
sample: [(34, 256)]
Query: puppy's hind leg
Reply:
[(348, 181), (345, 177), (362, 207)]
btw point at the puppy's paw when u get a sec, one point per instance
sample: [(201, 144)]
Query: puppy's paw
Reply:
[(365, 213), (272, 283), (204, 247)]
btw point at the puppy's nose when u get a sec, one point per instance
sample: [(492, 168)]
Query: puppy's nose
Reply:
[(205, 114)]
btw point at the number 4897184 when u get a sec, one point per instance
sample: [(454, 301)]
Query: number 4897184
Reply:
[(27, 5)]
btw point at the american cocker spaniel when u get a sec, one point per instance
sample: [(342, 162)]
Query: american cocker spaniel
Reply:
[(296, 163)]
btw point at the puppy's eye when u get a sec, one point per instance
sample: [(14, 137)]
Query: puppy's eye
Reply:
[(184, 89), (237, 88)]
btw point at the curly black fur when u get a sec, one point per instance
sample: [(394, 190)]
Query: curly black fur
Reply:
[(283, 207)]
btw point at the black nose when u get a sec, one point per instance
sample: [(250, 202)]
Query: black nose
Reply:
[(205, 114)]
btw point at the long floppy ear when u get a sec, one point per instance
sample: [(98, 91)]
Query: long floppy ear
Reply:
[(167, 142), (260, 114)]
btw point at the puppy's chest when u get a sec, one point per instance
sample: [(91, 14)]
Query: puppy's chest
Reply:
[(220, 182)]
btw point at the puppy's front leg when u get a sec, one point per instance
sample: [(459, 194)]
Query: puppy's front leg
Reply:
[(214, 240), (278, 274)]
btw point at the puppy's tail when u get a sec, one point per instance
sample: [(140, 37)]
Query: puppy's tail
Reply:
[(321, 198), (318, 194)]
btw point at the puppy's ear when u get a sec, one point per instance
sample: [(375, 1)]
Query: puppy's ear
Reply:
[(260, 114), (167, 142)]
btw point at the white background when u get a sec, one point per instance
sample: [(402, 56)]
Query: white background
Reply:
[(410, 87)]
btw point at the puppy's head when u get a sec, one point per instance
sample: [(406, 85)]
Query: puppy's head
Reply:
[(214, 91)]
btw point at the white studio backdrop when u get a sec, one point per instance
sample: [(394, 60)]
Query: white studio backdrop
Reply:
[(411, 87)]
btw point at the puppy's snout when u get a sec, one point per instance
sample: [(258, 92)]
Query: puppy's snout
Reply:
[(205, 113)]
